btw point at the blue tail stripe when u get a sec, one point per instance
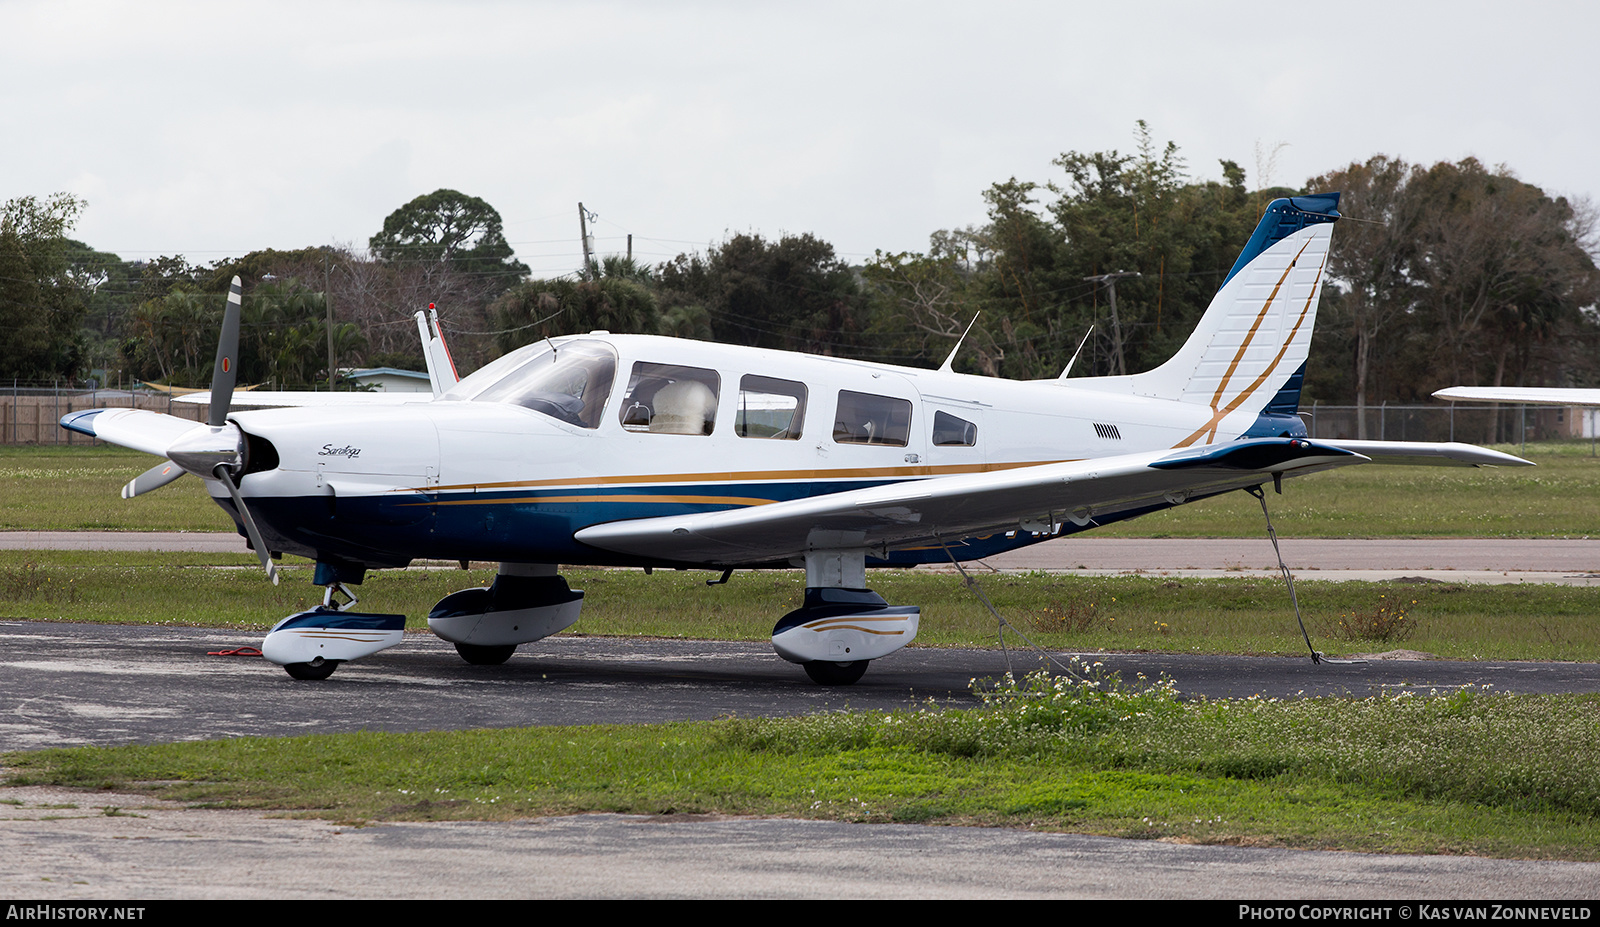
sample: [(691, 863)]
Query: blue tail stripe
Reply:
[(1287, 401), (1283, 218)]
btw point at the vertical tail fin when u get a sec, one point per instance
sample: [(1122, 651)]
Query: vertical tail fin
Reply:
[(1246, 358)]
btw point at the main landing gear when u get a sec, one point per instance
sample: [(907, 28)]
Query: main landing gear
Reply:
[(843, 626), (527, 601), (479, 655)]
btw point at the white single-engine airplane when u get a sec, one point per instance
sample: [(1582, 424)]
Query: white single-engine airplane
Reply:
[(634, 450)]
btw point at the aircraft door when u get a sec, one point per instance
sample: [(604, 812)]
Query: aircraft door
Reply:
[(876, 424)]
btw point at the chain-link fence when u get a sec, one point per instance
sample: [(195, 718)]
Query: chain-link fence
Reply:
[(1477, 423)]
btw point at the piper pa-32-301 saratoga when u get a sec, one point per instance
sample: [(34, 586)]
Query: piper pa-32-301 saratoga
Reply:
[(634, 450)]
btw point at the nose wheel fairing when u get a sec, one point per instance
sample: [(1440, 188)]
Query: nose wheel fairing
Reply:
[(326, 635)]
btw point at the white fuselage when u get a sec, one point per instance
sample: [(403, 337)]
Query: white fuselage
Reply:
[(448, 478)]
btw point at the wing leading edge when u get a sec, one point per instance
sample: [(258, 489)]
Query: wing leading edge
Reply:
[(954, 507)]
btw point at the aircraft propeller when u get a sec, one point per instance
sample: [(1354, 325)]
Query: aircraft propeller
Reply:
[(214, 451)]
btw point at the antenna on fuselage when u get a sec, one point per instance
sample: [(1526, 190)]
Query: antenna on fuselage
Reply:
[(946, 366), (1075, 354)]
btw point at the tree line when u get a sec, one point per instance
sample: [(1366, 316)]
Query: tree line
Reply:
[(1448, 274)]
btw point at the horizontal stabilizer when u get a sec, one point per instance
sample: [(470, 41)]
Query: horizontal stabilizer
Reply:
[(1420, 453)]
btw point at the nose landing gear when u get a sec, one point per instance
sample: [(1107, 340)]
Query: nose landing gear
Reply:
[(311, 644)]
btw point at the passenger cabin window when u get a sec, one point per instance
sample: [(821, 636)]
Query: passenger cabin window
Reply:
[(770, 408), (863, 418), (950, 431), (570, 383), (666, 399)]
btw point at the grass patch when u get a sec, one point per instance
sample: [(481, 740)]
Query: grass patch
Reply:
[(62, 488), (1468, 773), (1130, 613)]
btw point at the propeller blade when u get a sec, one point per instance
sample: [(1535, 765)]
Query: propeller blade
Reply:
[(225, 373), (223, 475), (154, 478)]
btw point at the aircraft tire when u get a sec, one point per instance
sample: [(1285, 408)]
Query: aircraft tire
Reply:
[(312, 670), (829, 673), (479, 655)]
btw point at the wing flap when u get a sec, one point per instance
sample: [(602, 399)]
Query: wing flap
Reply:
[(953, 507)]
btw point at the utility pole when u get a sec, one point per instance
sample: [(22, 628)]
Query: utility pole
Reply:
[(1110, 280), (327, 301), (583, 230)]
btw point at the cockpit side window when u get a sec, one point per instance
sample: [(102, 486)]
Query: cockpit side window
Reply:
[(570, 383), (863, 418), (951, 431), (669, 399), (770, 408)]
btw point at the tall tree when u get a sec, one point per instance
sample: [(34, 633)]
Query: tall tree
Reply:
[(25, 347), (792, 294), (1029, 270), (616, 302), (41, 304), (450, 228), (1371, 289)]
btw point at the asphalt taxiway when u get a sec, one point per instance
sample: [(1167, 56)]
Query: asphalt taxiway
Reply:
[(67, 684)]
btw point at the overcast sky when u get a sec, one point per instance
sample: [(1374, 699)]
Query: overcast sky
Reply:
[(213, 129)]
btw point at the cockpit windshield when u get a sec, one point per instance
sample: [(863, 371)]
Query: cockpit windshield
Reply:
[(570, 381)]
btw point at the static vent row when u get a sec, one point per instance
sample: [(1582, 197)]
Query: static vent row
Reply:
[(1107, 431)]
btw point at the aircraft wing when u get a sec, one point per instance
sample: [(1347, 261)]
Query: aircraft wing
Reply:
[(950, 508), (140, 429), (258, 398), (1529, 395)]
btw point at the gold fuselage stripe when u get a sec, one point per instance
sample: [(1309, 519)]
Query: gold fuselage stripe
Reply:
[(1209, 429), (744, 476)]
